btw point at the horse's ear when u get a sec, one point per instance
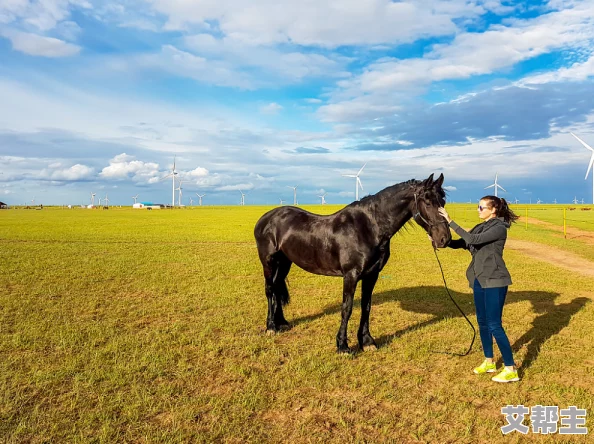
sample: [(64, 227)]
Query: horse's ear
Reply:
[(439, 182), (429, 181)]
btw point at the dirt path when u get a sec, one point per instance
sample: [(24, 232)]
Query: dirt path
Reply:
[(572, 232), (554, 256)]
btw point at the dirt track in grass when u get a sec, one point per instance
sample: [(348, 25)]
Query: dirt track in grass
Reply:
[(552, 255)]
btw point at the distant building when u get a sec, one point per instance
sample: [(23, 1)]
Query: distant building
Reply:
[(147, 205), (3, 206)]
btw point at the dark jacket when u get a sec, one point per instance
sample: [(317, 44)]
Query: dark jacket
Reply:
[(485, 242)]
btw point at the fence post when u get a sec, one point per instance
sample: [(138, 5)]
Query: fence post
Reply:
[(526, 217), (564, 224)]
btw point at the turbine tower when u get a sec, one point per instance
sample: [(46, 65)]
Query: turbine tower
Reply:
[(191, 201), (135, 197), (516, 200), (282, 202), (242, 198), (496, 185), (575, 201), (357, 181), (294, 194), (200, 196), (590, 164), (323, 197), (106, 200), (93, 199)]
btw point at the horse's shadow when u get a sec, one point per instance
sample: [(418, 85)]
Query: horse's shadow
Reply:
[(551, 319)]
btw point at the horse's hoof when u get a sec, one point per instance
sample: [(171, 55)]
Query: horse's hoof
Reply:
[(270, 332), (284, 327), (345, 352), (371, 347)]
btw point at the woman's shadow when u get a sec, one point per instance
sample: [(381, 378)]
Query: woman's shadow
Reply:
[(431, 300)]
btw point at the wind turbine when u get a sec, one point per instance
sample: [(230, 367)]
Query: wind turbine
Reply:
[(496, 185), (172, 175), (99, 201), (191, 201), (555, 201), (242, 198), (589, 164), (135, 197), (538, 201), (282, 202), (357, 181), (582, 201), (294, 194), (106, 200), (323, 197), (200, 196), (92, 199), (179, 188), (516, 200), (575, 201)]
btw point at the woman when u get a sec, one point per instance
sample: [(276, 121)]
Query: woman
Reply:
[(489, 279)]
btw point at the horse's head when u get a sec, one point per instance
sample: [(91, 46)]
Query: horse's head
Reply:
[(428, 197)]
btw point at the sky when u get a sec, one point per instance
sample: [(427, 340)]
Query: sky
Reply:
[(260, 96)]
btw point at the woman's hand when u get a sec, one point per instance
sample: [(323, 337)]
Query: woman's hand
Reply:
[(442, 211)]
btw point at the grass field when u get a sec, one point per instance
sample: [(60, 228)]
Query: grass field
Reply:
[(148, 326)]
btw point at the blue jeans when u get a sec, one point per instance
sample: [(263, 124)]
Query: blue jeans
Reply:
[(489, 308)]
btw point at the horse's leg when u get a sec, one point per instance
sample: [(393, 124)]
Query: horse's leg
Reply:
[(281, 292), (366, 342), (348, 293), (269, 272), (270, 265)]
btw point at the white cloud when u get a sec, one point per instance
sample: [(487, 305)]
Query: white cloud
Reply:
[(450, 188), (196, 173), (75, 172), (241, 186), (271, 108), (327, 23), (38, 45), (575, 73), (388, 81), (41, 14), (124, 166)]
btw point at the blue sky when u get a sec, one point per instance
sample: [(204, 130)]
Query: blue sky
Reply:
[(98, 97)]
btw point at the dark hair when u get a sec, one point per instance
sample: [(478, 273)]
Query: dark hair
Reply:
[(502, 209)]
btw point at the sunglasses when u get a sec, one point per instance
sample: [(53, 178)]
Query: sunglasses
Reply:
[(481, 208)]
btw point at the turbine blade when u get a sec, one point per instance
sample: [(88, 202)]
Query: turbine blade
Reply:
[(582, 142), (502, 188), (359, 182), (490, 186), (361, 169), (349, 175), (590, 166)]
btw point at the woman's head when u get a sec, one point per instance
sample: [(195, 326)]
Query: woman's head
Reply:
[(493, 206)]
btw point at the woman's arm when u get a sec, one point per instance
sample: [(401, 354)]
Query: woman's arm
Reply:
[(489, 235)]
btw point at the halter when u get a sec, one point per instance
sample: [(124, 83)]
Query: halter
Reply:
[(418, 213)]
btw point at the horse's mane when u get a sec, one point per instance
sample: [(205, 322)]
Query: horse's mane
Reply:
[(391, 190)]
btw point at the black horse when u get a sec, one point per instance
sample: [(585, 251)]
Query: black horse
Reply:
[(353, 243)]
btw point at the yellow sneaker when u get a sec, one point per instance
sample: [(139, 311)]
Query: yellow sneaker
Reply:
[(485, 367), (506, 376)]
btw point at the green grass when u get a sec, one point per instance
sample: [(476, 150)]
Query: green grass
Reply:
[(126, 325)]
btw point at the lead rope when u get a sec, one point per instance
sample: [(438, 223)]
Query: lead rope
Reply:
[(465, 317)]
